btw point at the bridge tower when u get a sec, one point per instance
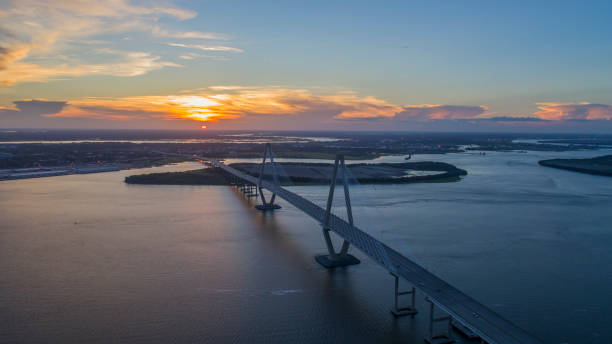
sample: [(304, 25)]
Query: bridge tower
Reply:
[(264, 206), (343, 258)]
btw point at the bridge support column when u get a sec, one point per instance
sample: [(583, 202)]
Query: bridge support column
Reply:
[(402, 311), (343, 258), (265, 206), (253, 191), (443, 338)]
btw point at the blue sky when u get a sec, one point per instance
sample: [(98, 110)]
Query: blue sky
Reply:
[(436, 65)]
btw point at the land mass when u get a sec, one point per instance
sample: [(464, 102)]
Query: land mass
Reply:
[(61, 148), (312, 174), (601, 165), (44, 153)]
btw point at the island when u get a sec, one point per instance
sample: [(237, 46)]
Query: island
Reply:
[(312, 174), (601, 165)]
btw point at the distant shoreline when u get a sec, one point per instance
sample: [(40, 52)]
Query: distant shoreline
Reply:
[(54, 171), (601, 166)]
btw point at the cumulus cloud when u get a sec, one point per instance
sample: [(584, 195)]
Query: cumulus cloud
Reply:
[(574, 111), (35, 34)]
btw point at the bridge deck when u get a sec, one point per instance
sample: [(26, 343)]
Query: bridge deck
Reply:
[(484, 322)]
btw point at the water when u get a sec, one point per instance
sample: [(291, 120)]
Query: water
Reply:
[(87, 258)]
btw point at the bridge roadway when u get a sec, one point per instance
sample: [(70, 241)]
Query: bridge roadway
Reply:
[(487, 324)]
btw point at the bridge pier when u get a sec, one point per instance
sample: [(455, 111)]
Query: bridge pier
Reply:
[(250, 191), (398, 311), (335, 259), (343, 258), (267, 206), (442, 338)]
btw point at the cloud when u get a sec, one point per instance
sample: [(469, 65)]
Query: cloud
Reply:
[(232, 102), (41, 107), (29, 112), (101, 112), (227, 88), (13, 53), (574, 111), (272, 107), (427, 111), (104, 9), (352, 106), (206, 47), (193, 56), (512, 119), (36, 34), (264, 105), (132, 64), (160, 32), (129, 64), (189, 56)]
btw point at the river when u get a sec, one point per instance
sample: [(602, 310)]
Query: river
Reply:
[(88, 258)]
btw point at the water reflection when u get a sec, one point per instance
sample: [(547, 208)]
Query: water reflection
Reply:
[(88, 258)]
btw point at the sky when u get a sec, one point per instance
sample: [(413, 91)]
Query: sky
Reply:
[(520, 66)]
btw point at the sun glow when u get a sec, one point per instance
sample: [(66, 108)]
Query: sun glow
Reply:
[(204, 117), (198, 108), (213, 106), (195, 101)]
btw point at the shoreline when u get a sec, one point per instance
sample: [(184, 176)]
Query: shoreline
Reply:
[(55, 171), (600, 166)]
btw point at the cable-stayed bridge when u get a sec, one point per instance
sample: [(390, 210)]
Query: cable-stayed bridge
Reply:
[(462, 312)]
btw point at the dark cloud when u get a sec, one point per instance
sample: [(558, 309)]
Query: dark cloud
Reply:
[(39, 107), (29, 113)]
